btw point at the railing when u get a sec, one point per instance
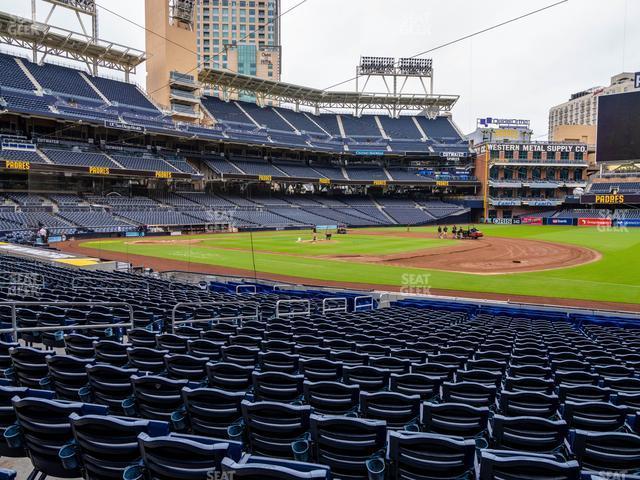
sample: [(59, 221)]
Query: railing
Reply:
[(237, 319), (359, 306), (57, 328), (304, 313), (250, 289), (340, 307)]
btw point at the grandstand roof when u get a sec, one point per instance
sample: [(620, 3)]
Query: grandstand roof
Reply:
[(50, 40), (232, 82)]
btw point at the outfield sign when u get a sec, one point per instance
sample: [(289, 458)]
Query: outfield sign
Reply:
[(531, 221), (123, 126), (325, 181), (264, 178), (631, 222), (609, 199), (380, 183), (505, 221), (162, 174), (559, 221), (17, 165), (535, 147), (99, 171), (594, 222), (370, 153)]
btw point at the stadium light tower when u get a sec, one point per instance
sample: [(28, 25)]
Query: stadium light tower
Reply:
[(396, 74), (80, 7)]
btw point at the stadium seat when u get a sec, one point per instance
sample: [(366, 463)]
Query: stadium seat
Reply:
[(429, 456), (229, 376), (398, 410), (67, 375), (253, 467), (179, 366), (528, 434), (109, 385), (45, 428), (321, 370), (470, 393), (456, 419), (594, 416), (183, 457), (105, 446), (528, 403), (606, 451), (415, 383), (369, 379), (275, 361), (208, 411), (272, 427), (29, 366), (112, 353), (154, 398), (146, 359), (277, 387), (331, 398), (497, 464)]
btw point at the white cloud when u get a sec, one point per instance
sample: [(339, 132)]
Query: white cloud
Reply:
[(518, 70)]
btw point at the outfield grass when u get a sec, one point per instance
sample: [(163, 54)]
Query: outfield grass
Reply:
[(614, 278)]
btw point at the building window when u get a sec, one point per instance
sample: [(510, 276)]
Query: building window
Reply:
[(508, 154), (537, 155), (579, 156)]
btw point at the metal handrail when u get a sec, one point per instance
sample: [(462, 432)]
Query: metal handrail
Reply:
[(56, 328), (236, 319), (306, 313), (252, 289), (366, 306), (340, 308)]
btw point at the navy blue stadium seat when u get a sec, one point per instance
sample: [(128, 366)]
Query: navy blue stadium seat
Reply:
[(456, 419), (109, 386), (45, 428), (105, 446), (429, 456), (500, 464), (253, 467), (331, 398), (183, 457), (229, 376), (156, 398), (345, 444), (529, 434), (272, 427), (209, 412)]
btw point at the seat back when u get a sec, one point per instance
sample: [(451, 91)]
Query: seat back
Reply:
[(331, 398), (184, 457), (211, 411), (321, 370), (46, 428), (508, 465), (229, 376), (156, 398), (396, 409), (456, 419), (345, 443), (110, 385), (107, 445), (530, 434), (429, 456), (271, 427), (277, 386)]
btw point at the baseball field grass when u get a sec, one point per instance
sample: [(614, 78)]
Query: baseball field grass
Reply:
[(614, 277)]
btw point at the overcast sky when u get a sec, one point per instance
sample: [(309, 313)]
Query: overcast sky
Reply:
[(515, 71)]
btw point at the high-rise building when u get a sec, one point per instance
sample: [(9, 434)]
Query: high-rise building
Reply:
[(582, 107), (241, 36), (186, 36)]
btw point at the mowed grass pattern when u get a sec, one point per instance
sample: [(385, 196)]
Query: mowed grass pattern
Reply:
[(614, 278)]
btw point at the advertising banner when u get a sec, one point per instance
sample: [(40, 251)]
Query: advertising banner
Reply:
[(594, 222), (559, 221), (531, 220)]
